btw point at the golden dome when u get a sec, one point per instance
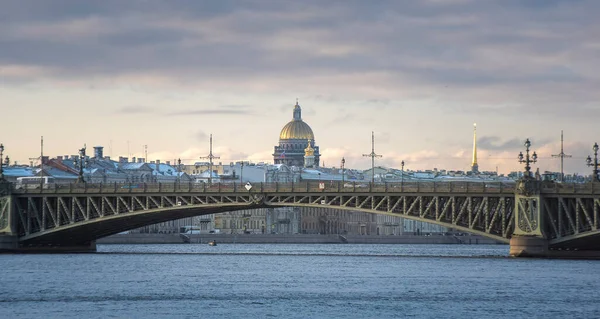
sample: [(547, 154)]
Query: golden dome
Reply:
[(296, 129)]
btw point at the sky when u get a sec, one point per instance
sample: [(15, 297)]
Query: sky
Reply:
[(167, 74)]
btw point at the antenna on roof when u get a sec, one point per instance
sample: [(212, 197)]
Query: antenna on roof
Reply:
[(146, 153), (210, 157), (562, 156), (373, 155)]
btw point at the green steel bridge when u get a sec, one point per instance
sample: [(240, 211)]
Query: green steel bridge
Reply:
[(537, 218)]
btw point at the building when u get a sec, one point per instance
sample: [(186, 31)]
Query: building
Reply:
[(281, 173), (11, 173), (284, 220), (293, 141), (389, 225), (380, 173), (201, 167)]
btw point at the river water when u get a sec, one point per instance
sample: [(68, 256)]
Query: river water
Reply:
[(297, 281)]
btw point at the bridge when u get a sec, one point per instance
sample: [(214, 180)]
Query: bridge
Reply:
[(539, 219)]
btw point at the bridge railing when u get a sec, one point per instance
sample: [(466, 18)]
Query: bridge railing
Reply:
[(296, 187), (570, 188), (305, 187)]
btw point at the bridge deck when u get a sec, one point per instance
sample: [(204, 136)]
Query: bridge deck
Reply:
[(89, 211), (307, 187)]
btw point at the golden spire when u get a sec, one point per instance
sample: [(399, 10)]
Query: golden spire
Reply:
[(474, 166), (309, 151)]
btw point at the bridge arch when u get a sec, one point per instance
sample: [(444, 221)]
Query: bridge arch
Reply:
[(73, 213), (78, 220), (85, 231), (459, 227)]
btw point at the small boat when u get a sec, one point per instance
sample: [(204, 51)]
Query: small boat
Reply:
[(212, 243)]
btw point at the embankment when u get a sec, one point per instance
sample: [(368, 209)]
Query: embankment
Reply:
[(291, 239)]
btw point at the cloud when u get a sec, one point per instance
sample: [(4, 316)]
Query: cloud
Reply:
[(343, 119), (496, 143), (222, 110), (210, 112), (201, 136), (458, 44), (402, 66), (135, 110)]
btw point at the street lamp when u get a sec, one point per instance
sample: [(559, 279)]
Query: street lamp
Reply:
[(527, 160), (179, 171), (343, 169), (1, 163), (80, 178), (242, 172), (402, 176), (594, 163)]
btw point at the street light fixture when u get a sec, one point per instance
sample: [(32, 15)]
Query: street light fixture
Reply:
[(343, 169), (179, 171), (527, 160), (80, 178), (402, 176), (594, 163), (1, 163), (242, 172)]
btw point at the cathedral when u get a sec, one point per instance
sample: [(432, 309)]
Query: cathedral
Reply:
[(297, 143)]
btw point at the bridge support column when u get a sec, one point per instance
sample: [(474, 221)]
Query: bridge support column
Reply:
[(9, 239), (528, 246), (528, 238), (8, 243)]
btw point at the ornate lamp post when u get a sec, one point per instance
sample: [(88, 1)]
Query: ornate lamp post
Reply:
[(179, 171), (242, 172), (594, 163), (343, 169), (402, 176), (1, 163), (527, 159), (80, 178)]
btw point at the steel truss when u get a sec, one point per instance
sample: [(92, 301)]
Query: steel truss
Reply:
[(488, 215), (87, 212), (38, 215), (5, 220), (569, 217)]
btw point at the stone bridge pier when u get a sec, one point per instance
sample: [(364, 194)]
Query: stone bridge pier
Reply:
[(546, 222), (528, 239), (9, 239)]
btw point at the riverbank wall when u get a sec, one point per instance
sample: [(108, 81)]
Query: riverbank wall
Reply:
[(291, 239)]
